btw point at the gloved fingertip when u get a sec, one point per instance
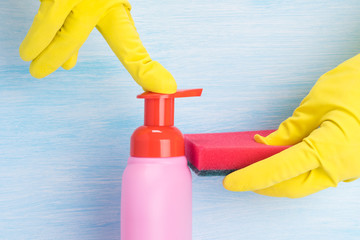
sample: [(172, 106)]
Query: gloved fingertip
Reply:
[(69, 65), (168, 90), (25, 55), (227, 183), (71, 62), (37, 72), (232, 183), (66, 67), (155, 78), (273, 138), (165, 87), (260, 139)]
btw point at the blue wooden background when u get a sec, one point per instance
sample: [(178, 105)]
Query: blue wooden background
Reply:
[(64, 140)]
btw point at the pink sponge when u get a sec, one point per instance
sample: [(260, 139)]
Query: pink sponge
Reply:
[(222, 153)]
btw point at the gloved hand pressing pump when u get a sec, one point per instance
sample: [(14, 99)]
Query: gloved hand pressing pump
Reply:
[(62, 26), (325, 132)]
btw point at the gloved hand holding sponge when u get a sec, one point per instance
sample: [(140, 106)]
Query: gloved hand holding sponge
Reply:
[(325, 132), (62, 26)]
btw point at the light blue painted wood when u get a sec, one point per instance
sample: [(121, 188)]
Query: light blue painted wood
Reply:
[(64, 140)]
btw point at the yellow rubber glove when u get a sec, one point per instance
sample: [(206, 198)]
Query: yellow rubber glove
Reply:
[(325, 132), (62, 26)]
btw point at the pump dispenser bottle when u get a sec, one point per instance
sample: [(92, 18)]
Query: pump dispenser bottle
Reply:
[(156, 197)]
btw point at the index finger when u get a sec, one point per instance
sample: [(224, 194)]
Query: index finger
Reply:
[(119, 31)]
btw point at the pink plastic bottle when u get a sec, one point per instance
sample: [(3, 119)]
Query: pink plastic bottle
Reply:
[(156, 198)]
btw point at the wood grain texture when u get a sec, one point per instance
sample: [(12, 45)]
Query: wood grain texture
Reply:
[(64, 140)]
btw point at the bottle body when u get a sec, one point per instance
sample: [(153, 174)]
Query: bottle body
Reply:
[(156, 199)]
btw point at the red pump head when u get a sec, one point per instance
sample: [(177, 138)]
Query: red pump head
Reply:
[(158, 137)]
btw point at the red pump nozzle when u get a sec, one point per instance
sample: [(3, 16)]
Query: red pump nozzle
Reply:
[(158, 137), (159, 108)]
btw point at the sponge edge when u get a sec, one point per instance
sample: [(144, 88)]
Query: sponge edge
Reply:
[(218, 154)]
